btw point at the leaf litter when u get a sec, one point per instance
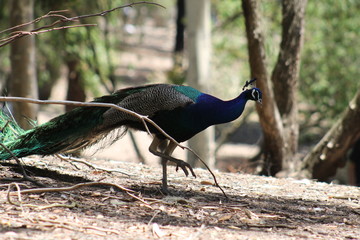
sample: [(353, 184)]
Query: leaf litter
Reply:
[(258, 207)]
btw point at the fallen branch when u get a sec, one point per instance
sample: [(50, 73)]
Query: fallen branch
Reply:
[(144, 120), (63, 19), (25, 177), (71, 224), (63, 189), (41, 222), (72, 159), (73, 187)]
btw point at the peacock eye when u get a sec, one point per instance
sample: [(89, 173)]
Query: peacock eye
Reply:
[(255, 94)]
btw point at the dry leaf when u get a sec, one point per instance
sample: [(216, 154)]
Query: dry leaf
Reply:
[(206, 183), (95, 194), (234, 227), (225, 218), (33, 196), (250, 214), (97, 172)]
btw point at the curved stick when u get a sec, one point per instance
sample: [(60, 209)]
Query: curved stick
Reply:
[(143, 118)]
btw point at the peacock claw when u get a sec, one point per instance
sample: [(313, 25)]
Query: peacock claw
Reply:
[(183, 165)]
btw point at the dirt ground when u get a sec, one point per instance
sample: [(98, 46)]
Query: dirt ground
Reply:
[(256, 208)]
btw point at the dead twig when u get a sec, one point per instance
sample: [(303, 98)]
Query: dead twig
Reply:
[(19, 34), (62, 189), (140, 199), (18, 194), (20, 203), (23, 171), (48, 15), (41, 222), (62, 19), (73, 187), (72, 159), (211, 172), (103, 13), (144, 120), (71, 205), (70, 225), (153, 217)]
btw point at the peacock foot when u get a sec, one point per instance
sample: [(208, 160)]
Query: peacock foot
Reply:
[(184, 166)]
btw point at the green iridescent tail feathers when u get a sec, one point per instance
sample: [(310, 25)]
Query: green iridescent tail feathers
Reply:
[(64, 133), (9, 129), (9, 133)]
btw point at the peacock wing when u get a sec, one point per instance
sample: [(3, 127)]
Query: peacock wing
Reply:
[(146, 101)]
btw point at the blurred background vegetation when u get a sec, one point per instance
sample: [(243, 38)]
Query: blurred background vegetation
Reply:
[(92, 59), (329, 74)]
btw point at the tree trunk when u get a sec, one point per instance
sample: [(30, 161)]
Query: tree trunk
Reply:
[(23, 82), (179, 38), (270, 119), (199, 48), (285, 77), (76, 90), (329, 154), (278, 114), (180, 27)]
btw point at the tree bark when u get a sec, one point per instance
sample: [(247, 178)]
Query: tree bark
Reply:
[(278, 115), (23, 82), (180, 27), (199, 51), (285, 76), (329, 154), (270, 119), (76, 91)]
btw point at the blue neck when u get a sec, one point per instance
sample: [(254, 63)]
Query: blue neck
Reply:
[(216, 111)]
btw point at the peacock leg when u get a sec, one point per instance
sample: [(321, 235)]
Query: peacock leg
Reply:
[(179, 163), (166, 156), (154, 150)]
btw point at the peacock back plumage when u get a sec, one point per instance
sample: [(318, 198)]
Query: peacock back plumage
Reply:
[(180, 111)]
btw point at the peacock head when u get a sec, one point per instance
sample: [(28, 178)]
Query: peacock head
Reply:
[(254, 94)]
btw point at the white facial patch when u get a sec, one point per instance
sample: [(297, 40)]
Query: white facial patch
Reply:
[(254, 94)]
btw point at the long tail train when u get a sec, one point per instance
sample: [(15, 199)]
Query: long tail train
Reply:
[(180, 111), (73, 130)]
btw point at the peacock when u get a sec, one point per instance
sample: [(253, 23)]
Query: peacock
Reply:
[(181, 111)]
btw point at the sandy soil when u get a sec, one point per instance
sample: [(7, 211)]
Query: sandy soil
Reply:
[(256, 208)]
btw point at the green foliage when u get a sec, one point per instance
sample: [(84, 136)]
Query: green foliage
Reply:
[(230, 66), (330, 60), (90, 47), (4, 51)]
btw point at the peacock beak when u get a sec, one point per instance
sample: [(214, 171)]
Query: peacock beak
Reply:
[(259, 101)]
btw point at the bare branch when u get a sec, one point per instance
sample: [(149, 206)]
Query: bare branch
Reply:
[(63, 189), (72, 159), (103, 13), (19, 34), (73, 187), (61, 19), (48, 15), (143, 118)]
